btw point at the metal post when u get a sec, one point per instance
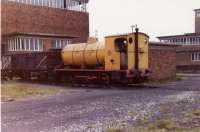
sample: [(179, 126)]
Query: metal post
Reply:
[(136, 48)]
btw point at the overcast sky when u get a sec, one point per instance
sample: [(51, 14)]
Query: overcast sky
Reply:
[(154, 17)]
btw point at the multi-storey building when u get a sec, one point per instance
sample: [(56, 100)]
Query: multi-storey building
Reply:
[(38, 25), (188, 53), (187, 38)]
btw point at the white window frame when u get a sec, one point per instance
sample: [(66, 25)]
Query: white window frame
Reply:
[(24, 39), (33, 44), (20, 44), (9, 45), (71, 4), (15, 45), (37, 44), (195, 56), (12, 44), (29, 42), (10, 49)]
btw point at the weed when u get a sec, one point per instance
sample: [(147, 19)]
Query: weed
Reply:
[(196, 112)]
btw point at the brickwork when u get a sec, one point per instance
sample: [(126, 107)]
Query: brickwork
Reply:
[(197, 21), (162, 62), (23, 18)]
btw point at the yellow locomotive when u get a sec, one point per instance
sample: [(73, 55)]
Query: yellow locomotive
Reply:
[(120, 59)]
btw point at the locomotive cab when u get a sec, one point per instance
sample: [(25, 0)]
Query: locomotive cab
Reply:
[(127, 53)]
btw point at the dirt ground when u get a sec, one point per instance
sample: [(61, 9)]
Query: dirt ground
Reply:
[(172, 106)]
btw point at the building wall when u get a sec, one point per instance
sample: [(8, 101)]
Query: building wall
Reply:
[(162, 62), (184, 59), (18, 17), (197, 21)]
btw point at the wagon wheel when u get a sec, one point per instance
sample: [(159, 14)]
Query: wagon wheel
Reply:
[(25, 76), (10, 75), (43, 76)]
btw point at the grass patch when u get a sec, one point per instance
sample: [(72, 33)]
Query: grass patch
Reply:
[(114, 130), (165, 124), (11, 91), (196, 112)]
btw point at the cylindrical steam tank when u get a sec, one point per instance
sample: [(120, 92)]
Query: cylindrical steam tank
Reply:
[(84, 54)]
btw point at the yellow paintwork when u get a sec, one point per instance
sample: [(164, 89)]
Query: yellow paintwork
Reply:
[(143, 52), (93, 53), (111, 54), (83, 54)]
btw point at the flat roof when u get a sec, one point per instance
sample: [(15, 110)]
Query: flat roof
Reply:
[(123, 35), (183, 35), (197, 9), (40, 35), (84, 1)]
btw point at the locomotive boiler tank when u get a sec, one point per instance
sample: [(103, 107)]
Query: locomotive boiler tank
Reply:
[(84, 54)]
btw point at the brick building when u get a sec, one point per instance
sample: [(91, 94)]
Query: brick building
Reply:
[(37, 25), (197, 20), (187, 38), (188, 53)]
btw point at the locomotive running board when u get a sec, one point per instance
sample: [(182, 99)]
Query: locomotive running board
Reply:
[(87, 70)]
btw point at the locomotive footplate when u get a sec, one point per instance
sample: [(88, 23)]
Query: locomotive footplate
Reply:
[(97, 76)]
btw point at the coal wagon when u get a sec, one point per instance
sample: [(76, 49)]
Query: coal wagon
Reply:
[(28, 65)]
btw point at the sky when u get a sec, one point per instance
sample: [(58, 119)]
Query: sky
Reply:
[(153, 17)]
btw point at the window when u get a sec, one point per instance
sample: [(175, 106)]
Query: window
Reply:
[(60, 43), (70, 4), (184, 41), (17, 44), (195, 56), (25, 44), (32, 44)]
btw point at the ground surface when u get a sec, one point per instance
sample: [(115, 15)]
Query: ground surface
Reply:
[(17, 90), (98, 109)]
